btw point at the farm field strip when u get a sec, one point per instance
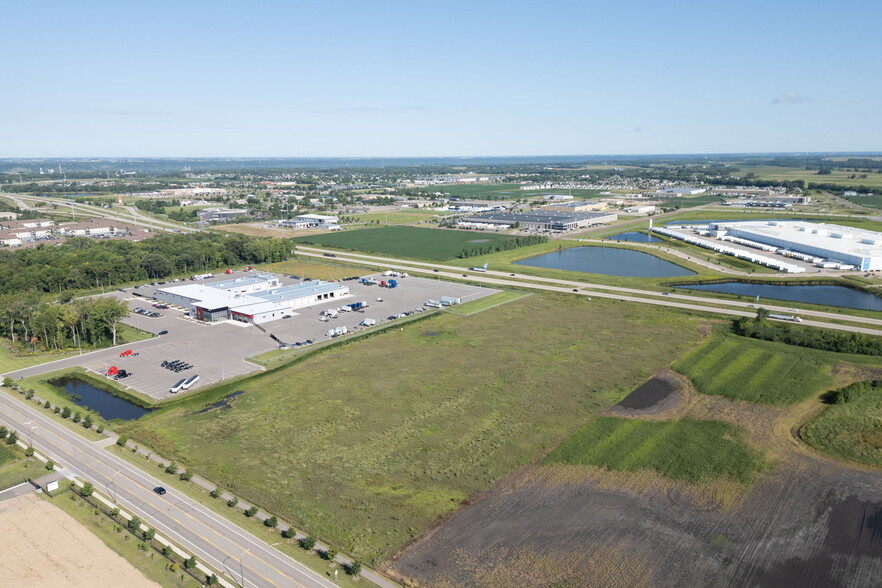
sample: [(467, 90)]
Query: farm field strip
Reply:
[(756, 371)]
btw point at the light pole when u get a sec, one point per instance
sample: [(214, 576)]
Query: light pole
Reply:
[(112, 483), (242, 569), (30, 426)]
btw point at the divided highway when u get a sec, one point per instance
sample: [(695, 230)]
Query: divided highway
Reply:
[(214, 541), (706, 304)]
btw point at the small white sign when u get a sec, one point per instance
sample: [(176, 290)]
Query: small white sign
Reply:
[(52, 486)]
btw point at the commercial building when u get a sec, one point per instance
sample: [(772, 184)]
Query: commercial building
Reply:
[(221, 214), (577, 206), (252, 299), (316, 220), (537, 220), (833, 244), (676, 192)]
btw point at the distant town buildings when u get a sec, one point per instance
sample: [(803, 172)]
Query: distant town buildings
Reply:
[(44, 231)]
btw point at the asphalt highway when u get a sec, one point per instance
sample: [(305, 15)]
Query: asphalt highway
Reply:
[(707, 304), (212, 539)]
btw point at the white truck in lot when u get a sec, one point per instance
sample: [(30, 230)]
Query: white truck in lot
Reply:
[(368, 322), (337, 332)]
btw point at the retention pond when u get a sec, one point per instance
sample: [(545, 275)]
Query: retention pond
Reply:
[(608, 261), (809, 293), (101, 401)]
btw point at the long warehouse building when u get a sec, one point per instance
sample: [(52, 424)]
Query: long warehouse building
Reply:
[(848, 245), (256, 299)]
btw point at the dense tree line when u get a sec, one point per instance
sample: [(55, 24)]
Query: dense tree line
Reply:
[(84, 263), (824, 339), (29, 321), (506, 245), (850, 392)]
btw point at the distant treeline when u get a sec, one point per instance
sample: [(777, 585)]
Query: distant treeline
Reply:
[(506, 245), (824, 339), (85, 263)]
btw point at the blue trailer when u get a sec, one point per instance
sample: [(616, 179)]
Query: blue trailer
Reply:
[(393, 283)]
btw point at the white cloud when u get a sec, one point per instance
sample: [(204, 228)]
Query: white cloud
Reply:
[(790, 98)]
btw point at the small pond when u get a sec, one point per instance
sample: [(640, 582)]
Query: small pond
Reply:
[(808, 293), (608, 261), (101, 401), (635, 237)]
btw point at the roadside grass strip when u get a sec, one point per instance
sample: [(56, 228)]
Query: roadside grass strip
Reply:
[(688, 450)]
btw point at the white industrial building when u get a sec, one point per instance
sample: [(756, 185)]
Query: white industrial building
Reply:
[(252, 299), (833, 243), (540, 220)]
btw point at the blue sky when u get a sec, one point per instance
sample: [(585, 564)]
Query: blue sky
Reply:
[(353, 78)]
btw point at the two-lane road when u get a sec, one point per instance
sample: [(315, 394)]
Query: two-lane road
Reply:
[(186, 522)]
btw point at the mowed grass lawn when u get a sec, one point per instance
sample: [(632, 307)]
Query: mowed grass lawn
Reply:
[(688, 449), (411, 242), (369, 444), (757, 371)]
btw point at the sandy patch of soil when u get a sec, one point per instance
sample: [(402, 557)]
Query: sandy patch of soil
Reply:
[(43, 546)]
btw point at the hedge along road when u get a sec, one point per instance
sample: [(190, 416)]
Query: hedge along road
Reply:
[(212, 539), (621, 293)]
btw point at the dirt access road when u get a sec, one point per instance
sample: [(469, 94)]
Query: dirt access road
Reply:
[(41, 546)]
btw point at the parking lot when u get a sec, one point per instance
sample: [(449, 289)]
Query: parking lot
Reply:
[(217, 351)]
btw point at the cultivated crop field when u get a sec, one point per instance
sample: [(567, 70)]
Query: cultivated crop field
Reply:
[(410, 242), (687, 449), (369, 444), (757, 371), (5, 455)]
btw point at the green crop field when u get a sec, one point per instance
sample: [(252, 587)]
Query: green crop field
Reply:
[(410, 242), (757, 371), (851, 430), (5, 455), (369, 443), (688, 449)]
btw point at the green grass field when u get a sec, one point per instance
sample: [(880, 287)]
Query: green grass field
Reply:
[(757, 371), (851, 430), (410, 242), (773, 172), (396, 217), (11, 362), (370, 443), (689, 450)]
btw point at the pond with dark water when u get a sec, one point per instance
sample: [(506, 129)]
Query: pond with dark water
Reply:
[(608, 261), (809, 293), (634, 237), (101, 401)]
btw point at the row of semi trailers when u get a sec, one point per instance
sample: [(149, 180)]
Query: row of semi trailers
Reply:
[(747, 255), (184, 384)]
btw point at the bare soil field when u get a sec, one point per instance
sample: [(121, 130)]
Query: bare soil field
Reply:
[(807, 521), (43, 546)]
